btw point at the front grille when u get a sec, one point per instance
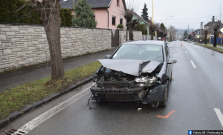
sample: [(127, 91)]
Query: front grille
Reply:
[(117, 85), (118, 96), (116, 91)]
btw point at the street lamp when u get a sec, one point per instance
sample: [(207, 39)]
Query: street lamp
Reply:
[(166, 21)]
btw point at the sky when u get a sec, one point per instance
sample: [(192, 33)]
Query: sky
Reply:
[(181, 13)]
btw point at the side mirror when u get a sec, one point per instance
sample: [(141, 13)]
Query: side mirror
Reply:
[(107, 56), (172, 62)]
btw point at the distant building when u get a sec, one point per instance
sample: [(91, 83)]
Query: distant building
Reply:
[(210, 28), (108, 13), (141, 21), (199, 33), (192, 36)]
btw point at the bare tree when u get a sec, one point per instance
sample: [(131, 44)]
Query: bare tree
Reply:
[(205, 36), (50, 16), (162, 30), (152, 29), (216, 27), (132, 6), (128, 16), (172, 32)]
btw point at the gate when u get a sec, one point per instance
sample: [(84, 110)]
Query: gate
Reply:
[(115, 38)]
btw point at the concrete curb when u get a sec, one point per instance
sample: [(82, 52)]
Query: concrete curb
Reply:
[(27, 108)]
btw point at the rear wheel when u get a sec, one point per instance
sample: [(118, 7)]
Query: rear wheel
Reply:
[(165, 95)]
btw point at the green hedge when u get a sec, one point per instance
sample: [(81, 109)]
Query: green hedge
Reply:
[(142, 27), (66, 17), (10, 13)]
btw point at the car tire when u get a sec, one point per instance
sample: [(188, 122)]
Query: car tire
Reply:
[(171, 76), (154, 104), (165, 96)]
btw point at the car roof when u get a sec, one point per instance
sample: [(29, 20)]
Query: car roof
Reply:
[(145, 42)]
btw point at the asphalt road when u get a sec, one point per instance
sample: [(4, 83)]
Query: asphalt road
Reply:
[(195, 91)]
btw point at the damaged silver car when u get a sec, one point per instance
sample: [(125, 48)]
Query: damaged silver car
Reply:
[(137, 71)]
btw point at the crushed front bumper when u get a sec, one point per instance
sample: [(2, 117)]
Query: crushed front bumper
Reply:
[(116, 94), (154, 94), (98, 90)]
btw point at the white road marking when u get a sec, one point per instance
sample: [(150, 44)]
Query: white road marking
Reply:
[(48, 114), (193, 64), (219, 114), (186, 52)]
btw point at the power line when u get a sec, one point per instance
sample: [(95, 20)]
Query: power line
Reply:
[(188, 18), (185, 18)]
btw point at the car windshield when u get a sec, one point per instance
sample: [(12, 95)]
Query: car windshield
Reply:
[(140, 52)]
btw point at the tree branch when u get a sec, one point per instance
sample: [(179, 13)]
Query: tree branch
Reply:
[(51, 12)]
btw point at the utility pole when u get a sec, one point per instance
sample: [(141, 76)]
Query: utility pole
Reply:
[(220, 11), (153, 20), (201, 31), (152, 13)]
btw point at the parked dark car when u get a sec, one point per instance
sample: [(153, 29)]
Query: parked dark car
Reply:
[(137, 71)]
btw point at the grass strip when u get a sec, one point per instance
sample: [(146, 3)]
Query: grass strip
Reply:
[(211, 47), (16, 98)]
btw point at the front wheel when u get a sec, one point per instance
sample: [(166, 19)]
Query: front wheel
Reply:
[(171, 77), (154, 104), (165, 96)]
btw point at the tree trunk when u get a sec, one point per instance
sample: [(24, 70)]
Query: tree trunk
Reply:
[(215, 38), (205, 36), (130, 34), (128, 16), (52, 21), (129, 28), (205, 39)]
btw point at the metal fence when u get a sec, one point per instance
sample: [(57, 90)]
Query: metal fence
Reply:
[(219, 41)]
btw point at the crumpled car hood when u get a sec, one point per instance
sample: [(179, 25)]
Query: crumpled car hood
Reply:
[(131, 67)]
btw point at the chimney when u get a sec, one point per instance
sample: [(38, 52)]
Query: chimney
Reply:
[(213, 19)]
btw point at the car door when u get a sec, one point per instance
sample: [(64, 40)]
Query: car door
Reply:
[(169, 66)]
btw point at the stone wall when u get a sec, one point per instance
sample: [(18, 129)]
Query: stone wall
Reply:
[(122, 36), (25, 45), (137, 35), (79, 41)]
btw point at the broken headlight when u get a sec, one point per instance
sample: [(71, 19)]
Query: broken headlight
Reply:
[(146, 81)]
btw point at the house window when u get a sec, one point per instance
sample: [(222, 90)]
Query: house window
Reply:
[(118, 3), (113, 20), (94, 16), (121, 20)]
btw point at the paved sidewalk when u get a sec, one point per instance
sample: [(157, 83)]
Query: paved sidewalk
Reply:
[(12, 79)]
